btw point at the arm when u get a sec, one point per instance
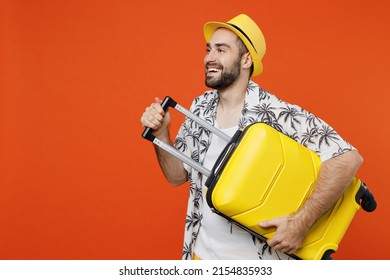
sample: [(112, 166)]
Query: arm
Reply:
[(155, 118), (334, 177)]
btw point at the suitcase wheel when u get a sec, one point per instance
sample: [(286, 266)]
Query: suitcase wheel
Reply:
[(368, 202), (365, 198), (327, 255)]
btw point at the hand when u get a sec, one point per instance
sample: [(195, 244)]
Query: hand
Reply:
[(289, 235), (155, 118)]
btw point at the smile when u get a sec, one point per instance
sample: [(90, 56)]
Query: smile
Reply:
[(212, 70)]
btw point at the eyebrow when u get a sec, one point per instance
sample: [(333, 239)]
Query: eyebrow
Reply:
[(219, 45)]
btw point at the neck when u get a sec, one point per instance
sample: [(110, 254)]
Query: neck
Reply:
[(231, 102), (234, 95)]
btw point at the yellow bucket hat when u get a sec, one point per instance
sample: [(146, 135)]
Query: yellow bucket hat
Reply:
[(248, 31)]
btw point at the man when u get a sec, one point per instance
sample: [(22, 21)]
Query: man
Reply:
[(234, 53)]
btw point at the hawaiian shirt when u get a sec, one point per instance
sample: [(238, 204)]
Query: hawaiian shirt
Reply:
[(259, 106)]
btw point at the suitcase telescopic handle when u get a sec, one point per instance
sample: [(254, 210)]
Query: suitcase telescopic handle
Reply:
[(169, 102), (148, 135)]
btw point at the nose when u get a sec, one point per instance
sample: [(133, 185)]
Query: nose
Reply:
[(210, 57)]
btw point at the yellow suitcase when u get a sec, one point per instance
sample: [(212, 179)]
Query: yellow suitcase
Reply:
[(263, 174)]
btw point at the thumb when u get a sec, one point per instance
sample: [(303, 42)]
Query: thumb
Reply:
[(160, 109), (270, 223)]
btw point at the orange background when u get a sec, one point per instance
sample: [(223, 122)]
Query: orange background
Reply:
[(77, 181)]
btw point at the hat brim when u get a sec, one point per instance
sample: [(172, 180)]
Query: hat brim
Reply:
[(209, 29)]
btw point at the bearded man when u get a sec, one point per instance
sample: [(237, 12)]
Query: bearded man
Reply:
[(234, 53)]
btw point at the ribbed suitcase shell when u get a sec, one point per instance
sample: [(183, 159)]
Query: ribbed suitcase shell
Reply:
[(268, 175)]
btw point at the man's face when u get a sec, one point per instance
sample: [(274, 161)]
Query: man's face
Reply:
[(223, 60)]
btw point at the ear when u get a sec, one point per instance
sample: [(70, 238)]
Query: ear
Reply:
[(246, 61)]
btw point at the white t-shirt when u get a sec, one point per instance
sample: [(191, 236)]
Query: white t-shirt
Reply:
[(218, 238)]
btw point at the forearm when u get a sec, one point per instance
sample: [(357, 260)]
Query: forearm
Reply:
[(334, 177), (171, 166)]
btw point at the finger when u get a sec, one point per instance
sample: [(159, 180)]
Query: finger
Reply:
[(157, 106), (155, 120), (155, 111), (287, 248), (159, 101), (282, 245), (146, 123), (278, 245), (270, 223), (292, 250), (264, 224), (150, 120), (273, 242)]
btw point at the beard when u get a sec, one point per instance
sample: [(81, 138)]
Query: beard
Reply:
[(228, 76)]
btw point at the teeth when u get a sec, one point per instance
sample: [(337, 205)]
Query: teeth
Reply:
[(213, 70)]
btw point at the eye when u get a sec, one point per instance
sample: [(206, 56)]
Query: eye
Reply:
[(221, 50)]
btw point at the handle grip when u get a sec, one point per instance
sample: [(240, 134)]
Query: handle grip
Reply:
[(167, 102)]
